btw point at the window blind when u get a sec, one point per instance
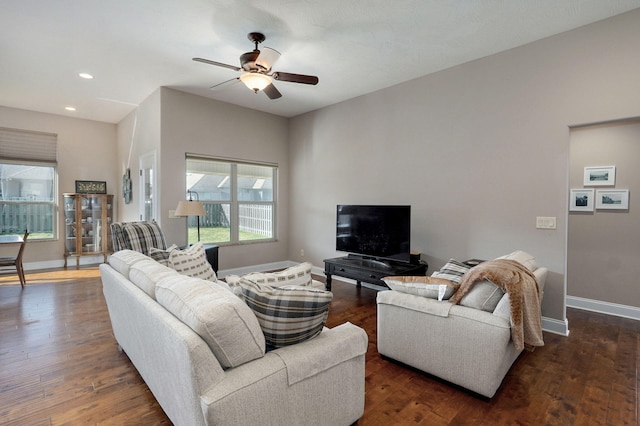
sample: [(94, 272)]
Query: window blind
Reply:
[(25, 145)]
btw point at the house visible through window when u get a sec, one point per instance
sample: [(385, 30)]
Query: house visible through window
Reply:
[(28, 183), (239, 200)]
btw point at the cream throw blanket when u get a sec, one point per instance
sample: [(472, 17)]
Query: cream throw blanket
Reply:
[(521, 285)]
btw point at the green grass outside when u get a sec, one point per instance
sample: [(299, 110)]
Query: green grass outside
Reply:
[(220, 235)]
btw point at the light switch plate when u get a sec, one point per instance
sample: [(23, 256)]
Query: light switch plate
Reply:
[(545, 222)]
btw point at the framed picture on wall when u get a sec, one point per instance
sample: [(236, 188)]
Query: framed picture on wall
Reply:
[(600, 176), (612, 199), (581, 200)]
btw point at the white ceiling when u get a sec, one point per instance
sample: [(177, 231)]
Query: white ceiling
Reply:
[(355, 47)]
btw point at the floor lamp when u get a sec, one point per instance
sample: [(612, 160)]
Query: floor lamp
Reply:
[(191, 207)]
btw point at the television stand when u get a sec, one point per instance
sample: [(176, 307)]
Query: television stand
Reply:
[(369, 270)]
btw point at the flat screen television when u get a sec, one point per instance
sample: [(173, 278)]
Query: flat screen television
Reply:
[(379, 232)]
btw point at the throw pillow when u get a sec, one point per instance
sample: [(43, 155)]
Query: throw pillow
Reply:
[(141, 236), (453, 271), (287, 315), (192, 262), (161, 256), (484, 295), (223, 321), (299, 275), (431, 287)]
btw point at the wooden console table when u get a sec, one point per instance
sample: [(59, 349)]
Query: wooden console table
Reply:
[(369, 270)]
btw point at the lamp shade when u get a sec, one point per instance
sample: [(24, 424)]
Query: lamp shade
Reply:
[(190, 208), (255, 81)]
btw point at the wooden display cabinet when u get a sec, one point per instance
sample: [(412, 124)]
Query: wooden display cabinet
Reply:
[(87, 226)]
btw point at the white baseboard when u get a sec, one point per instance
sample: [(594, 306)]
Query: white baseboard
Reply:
[(555, 326), (608, 308), (71, 263)]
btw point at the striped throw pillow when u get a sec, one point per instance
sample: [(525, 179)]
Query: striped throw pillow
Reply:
[(453, 271), (192, 262), (287, 315)]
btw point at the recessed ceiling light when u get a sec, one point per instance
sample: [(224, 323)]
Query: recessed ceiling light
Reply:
[(85, 75), (70, 108)]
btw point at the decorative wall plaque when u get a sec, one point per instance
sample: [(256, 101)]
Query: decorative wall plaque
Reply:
[(91, 187)]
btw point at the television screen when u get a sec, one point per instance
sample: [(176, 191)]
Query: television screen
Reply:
[(376, 231)]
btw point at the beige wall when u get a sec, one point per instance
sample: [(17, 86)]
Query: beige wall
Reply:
[(193, 124), (478, 150), (604, 245), (86, 151)]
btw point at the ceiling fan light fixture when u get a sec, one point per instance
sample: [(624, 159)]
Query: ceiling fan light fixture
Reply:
[(255, 81)]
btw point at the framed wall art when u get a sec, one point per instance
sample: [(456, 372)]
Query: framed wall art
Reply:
[(600, 176), (581, 200), (612, 199), (91, 187)]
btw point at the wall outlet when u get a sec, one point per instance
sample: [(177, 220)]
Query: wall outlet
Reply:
[(301, 252), (172, 214), (546, 222)]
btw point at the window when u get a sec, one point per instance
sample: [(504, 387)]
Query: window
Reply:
[(238, 198), (28, 183)]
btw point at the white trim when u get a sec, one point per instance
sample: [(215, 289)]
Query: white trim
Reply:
[(608, 308), (555, 326)]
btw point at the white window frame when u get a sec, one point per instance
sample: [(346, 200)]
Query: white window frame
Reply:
[(234, 203)]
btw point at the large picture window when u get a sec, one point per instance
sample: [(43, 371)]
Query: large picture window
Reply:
[(239, 200), (28, 183)]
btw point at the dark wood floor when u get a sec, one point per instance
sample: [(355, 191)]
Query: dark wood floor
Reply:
[(59, 365)]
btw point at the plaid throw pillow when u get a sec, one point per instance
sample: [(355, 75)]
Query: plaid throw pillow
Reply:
[(138, 236), (287, 315), (452, 271)]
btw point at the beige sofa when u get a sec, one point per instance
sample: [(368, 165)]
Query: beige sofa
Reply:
[(463, 345), (220, 375)]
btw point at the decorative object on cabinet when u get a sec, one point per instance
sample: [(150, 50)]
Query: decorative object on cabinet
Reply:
[(600, 176), (612, 199), (581, 200), (87, 221), (91, 187)]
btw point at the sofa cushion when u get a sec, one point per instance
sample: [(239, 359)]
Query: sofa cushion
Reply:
[(524, 258), (160, 255), (122, 260), (299, 275), (453, 271), (484, 295), (431, 287), (146, 273), (192, 262), (287, 315), (222, 320), (138, 236)]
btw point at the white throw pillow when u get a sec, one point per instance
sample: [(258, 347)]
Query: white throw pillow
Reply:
[(299, 275), (192, 262), (430, 287), (484, 295)]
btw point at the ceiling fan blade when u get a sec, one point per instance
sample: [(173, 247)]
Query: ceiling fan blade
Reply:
[(296, 78), (219, 64), (272, 92), (267, 58), (225, 84)]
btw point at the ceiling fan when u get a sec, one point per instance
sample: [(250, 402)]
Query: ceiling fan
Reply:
[(256, 67)]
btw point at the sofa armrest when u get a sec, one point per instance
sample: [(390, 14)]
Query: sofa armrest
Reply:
[(331, 347)]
